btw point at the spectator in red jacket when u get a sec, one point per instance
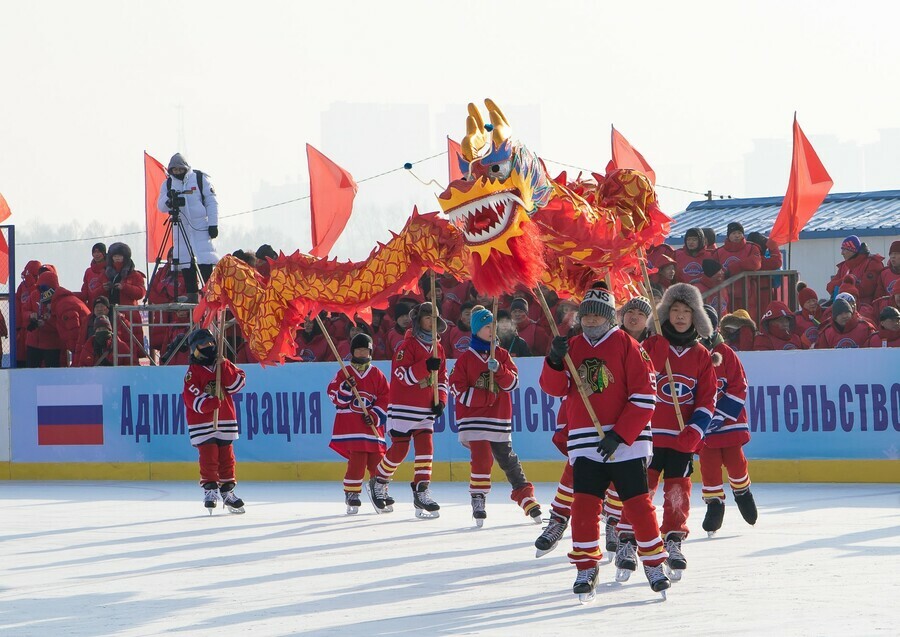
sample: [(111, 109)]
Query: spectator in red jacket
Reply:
[(710, 235), (736, 256), (738, 330), (27, 288), (712, 277), (655, 254), (664, 276), (92, 285), (66, 311), (776, 329), (888, 334), (565, 314), (845, 330), (43, 343), (263, 265), (175, 343), (126, 286), (859, 264), (529, 331), (457, 339), (311, 344), (165, 287), (809, 317), (97, 350), (353, 330), (401, 323), (889, 277), (4, 333), (878, 306), (85, 354), (689, 259), (770, 260)]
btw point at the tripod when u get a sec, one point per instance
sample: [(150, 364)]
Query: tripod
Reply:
[(174, 221)]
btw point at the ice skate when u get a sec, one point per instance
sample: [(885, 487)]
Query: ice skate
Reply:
[(353, 502), (612, 539), (676, 563), (715, 512), (478, 511), (210, 496), (746, 505), (586, 585), (535, 515), (626, 557), (657, 578), (426, 507), (378, 493), (552, 534), (233, 503)]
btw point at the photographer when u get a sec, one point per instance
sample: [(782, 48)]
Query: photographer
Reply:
[(188, 196)]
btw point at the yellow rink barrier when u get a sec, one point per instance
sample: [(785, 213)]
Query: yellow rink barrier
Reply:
[(785, 471)]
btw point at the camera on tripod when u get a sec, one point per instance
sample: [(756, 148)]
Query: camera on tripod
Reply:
[(174, 201)]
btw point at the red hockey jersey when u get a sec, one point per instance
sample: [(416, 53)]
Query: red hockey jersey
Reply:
[(351, 433), (412, 394), (199, 388), (483, 414), (618, 378), (730, 398), (695, 384)]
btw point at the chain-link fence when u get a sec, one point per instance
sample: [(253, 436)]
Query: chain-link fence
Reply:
[(8, 278)]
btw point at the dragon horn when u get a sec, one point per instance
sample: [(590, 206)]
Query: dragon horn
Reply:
[(475, 139), (498, 120)]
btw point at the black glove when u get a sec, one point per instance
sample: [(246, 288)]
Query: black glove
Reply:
[(558, 349), (438, 409), (213, 232), (32, 324), (367, 418), (348, 384), (433, 364), (609, 444)]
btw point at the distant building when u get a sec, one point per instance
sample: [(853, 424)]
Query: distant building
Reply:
[(873, 216)]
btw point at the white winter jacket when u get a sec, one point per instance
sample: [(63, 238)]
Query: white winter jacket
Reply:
[(195, 218)]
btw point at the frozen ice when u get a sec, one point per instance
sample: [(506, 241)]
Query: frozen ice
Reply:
[(145, 558)]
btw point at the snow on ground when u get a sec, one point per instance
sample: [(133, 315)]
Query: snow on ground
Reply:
[(126, 559)]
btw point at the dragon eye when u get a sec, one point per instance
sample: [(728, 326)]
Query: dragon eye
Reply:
[(501, 169), (495, 168)]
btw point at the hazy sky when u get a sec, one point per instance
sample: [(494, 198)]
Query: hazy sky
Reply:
[(86, 87)]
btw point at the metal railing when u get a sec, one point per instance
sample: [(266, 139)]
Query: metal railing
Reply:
[(755, 290)]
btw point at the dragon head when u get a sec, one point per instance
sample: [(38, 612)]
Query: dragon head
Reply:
[(503, 184)]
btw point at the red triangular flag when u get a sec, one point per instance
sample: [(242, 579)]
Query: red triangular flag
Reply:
[(4, 247), (624, 155), (154, 176), (331, 193), (5, 212), (4, 259), (453, 155), (807, 188)]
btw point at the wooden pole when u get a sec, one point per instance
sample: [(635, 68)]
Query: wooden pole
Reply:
[(493, 340), (571, 365), (220, 355), (658, 325), (337, 357), (434, 337)]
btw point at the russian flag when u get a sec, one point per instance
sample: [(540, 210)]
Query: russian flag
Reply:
[(70, 414)]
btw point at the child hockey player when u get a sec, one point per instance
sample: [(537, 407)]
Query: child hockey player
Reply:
[(726, 434), (358, 436), (213, 440), (413, 410), (683, 323), (484, 417), (620, 386)]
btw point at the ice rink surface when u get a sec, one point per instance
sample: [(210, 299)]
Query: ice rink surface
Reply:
[(126, 558)]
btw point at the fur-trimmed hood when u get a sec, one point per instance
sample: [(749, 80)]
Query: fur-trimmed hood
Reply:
[(737, 320), (690, 296)]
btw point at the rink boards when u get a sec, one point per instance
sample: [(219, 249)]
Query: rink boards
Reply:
[(815, 416)]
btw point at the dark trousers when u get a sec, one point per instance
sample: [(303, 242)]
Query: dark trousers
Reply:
[(36, 357)]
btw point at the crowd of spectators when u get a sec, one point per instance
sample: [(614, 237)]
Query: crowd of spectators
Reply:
[(57, 327)]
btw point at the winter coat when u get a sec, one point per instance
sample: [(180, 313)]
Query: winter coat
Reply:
[(45, 335), (84, 351), (864, 268), (737, 257), (856, 333), (744, 329), (888, 282), (67, 312), (23, 304), (767, 339), (162, 289), (807, 326), (195, 218), (719, 300), (689, 267), (92, 284), (885, 338)]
